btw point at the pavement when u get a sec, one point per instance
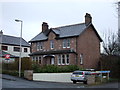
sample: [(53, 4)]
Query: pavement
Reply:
[(49, 84)]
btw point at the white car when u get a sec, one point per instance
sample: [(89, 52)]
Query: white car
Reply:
[(80, 76)]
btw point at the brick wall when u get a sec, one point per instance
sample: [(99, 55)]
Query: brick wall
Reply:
[(89, 45)]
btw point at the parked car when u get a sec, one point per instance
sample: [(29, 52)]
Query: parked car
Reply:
[(80, 76)]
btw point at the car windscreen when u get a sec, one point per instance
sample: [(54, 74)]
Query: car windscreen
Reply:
[(80, 73)]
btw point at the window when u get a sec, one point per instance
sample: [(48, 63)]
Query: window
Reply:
[(81, 58), (33, 59), (36, 60), (17, 49), (51, 44), (59, 59), (5, 48), (67, 59), (25, 49), (39, 46), (66, 43), (63, 59)]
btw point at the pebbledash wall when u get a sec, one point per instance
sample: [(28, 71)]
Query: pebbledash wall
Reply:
[(52, 77), (11, 50)]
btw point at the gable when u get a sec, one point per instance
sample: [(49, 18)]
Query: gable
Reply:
[(91, 34)]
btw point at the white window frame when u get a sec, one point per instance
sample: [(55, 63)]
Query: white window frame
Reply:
[(81, 58), (39, 46), (68, 43), (64, 43), (52, 44)]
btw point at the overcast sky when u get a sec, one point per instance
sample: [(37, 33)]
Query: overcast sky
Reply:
[(56, 13)]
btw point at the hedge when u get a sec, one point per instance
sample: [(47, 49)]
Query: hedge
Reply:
[(111, 63), (54, 68)]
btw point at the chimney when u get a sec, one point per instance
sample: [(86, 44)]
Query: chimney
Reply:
[(44, 26), (88, 19), (1, 32)]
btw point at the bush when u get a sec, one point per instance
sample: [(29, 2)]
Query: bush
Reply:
[(54, 69)]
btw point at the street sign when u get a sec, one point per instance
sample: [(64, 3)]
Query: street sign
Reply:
[(7, 56)]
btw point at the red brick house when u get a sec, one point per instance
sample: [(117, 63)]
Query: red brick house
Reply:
[(77, 44)]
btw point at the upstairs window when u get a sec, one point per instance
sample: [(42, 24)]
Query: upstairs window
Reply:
[(5, 48), (25, 50), (51, 44), (16, 49), (39, 46), (66, 43)]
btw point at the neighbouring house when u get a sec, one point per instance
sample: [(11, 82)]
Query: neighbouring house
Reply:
[(77, 44), (10, 45)]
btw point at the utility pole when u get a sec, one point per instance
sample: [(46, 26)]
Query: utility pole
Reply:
[(119, 19)]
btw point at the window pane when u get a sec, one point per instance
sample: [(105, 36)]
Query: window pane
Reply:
[(68, 42), (59, 59), (51, 44), (63, 59), (67, 58), (25, 49), (38, 46), (64, 43), (17, 49), (4, 47), (41, 45)]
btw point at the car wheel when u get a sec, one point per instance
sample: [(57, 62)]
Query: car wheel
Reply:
[(74, 82)]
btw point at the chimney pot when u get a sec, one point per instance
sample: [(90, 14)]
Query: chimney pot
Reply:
[(1, 32), (44, 26), (88, 19)]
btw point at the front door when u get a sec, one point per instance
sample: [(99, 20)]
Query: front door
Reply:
[(52, 61)]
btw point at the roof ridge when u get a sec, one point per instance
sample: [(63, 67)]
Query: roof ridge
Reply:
[(11, 36), (68, 25)]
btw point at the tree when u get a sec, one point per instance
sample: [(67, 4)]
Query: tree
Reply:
[(111, 46)]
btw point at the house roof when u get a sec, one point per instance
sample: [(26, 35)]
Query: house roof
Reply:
[(11, 40), (64, 32)]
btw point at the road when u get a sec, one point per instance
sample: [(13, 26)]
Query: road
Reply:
[(15, 82)]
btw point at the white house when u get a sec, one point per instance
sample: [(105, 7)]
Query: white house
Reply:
[(11, 45)]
